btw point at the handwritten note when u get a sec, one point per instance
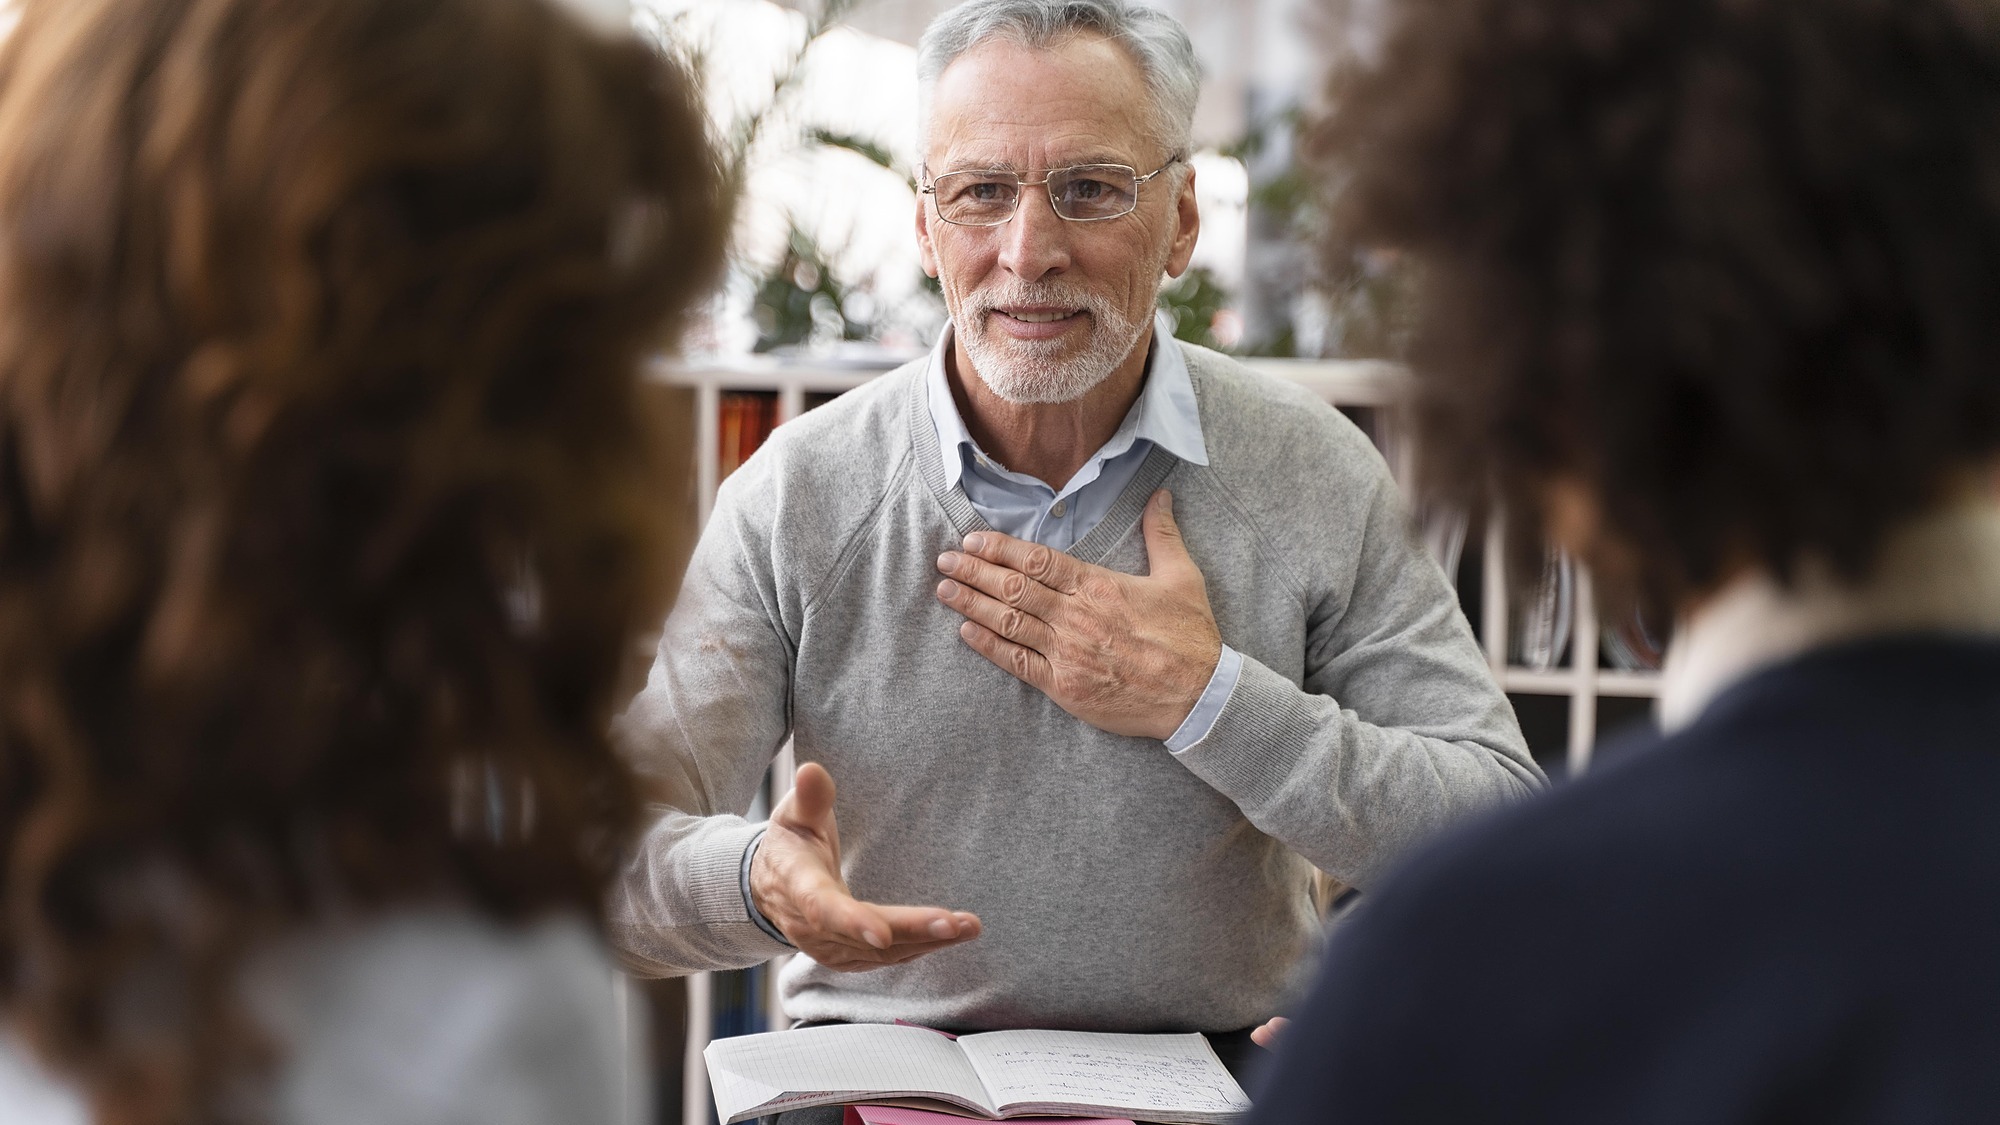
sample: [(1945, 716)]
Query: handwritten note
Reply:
[(1130, 1072), (1152, 1077)]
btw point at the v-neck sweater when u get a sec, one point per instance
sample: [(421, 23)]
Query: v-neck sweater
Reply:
[(1121, 886)]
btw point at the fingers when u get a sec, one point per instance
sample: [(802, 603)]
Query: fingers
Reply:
[(860, 961), (1166, 552), (1052, 568), (842, 919), (1011, 587), (811, 800), (1018, 625), (928, 923), (866, 936), (1006, 611), (1267, 1034), (1019, 661)]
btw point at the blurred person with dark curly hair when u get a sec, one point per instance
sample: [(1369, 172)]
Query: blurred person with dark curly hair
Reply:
[(1712, 293), (327, 514)]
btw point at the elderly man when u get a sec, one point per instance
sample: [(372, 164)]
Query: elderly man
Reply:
[(1182, 648)]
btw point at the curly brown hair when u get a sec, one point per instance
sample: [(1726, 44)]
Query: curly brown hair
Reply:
[(327, 507), (1731, 266)]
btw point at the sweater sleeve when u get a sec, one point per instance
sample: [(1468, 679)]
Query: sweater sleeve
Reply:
[(700, 735), (1397, 730)]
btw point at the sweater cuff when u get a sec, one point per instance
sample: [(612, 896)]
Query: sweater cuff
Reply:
[(715, 874), (750, 903), (1251, 752)]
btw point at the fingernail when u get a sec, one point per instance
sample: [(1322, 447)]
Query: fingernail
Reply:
[(874, 939), (944, 928), (1164, 500), (948, 561), (947, 589), (975, 542)]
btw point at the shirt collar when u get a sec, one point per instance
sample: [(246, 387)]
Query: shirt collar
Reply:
[(1941, 572), (1165, 414)]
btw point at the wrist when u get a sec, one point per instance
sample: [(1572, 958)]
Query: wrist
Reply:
[(1215, 695), (1196, 675), (750, 907)]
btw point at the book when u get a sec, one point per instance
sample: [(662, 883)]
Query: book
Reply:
[(1542, 635), (993, 1075), (744, 419), (903, 1115), (1632, 645)]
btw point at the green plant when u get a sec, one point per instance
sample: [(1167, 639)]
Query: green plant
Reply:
[(799, 299), (802, 297), (1366, 294), (1192, 300)]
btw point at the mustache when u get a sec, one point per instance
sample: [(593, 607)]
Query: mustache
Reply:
[(1060, 296)]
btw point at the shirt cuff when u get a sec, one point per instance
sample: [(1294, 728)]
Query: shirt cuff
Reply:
[(1208, 708), (749, 904)]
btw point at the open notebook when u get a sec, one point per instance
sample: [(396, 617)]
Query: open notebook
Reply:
[(995, 1074)]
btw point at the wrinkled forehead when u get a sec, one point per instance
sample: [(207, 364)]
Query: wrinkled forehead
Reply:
[(1005, 105)]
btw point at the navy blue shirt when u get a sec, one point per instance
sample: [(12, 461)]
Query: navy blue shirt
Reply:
[(1788, 911)]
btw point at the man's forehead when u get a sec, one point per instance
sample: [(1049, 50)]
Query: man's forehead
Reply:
[(1006, 105), (993, 160)]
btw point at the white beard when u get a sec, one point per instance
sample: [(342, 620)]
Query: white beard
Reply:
[(1039, 371)]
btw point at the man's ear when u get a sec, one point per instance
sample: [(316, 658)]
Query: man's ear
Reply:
[(926, 253), (1187, 227)]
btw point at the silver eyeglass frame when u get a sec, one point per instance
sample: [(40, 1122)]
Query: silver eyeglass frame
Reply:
[(1138, 181)]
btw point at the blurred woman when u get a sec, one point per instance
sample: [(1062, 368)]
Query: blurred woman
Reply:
[(1711, 291), (326, 516)]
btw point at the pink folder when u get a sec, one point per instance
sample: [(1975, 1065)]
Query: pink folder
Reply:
[(898, 1115)]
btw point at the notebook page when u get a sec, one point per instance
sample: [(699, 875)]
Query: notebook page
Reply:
[(1176, 1074), (747, 1071)]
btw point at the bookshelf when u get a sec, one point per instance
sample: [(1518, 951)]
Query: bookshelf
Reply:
[(1369, 391), (1580, 680), (793, 389)]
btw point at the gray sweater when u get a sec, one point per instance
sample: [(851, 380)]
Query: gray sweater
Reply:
[(1122, 886)]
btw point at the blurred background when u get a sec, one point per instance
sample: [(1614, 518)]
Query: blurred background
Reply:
[(816, 99)]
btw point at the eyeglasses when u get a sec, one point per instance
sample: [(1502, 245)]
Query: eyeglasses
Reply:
[(1086, 193)]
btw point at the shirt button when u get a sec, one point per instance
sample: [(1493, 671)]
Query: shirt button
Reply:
[(1058, 510)]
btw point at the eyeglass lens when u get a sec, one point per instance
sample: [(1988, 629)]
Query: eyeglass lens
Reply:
[(1084, 193)]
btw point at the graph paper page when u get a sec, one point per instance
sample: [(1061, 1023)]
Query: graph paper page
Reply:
[(787, 1067), (1175, 1073)]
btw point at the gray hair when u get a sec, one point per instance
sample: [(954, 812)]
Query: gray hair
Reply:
[(1156, 41)]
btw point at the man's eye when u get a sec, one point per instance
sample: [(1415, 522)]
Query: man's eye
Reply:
[(1087, 191), (974, 192)]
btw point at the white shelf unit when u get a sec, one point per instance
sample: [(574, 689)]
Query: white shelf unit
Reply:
[(710, 380), (1582, 681), (1342, 383)]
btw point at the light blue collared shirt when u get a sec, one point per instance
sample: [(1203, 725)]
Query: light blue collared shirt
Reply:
[(1026, 507)]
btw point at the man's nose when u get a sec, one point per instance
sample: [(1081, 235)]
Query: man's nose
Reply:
[(1035, 241)]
